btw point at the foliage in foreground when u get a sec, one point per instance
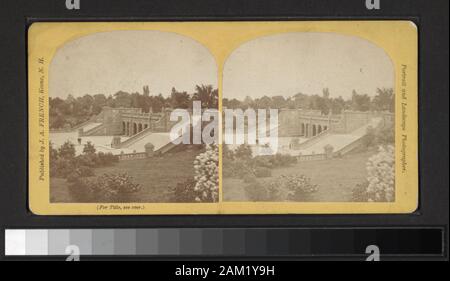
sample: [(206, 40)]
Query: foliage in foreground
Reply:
[(240, 163), (296, 188), (380, 183), (106, 188), (65, 164), (204, 187)]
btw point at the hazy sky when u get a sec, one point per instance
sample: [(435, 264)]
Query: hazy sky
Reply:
[(290, 63), (104, 63)]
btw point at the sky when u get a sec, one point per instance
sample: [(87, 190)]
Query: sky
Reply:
[(283, 64), (105, 63), (289, 63)]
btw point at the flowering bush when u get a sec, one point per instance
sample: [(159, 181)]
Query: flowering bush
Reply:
[(381, 175), (298, 187), (282, 188), (106, 188), (113, 186), (80, 172), (206, 168), (184, 192), (359, 192)]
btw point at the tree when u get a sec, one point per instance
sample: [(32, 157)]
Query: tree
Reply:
[(337, 105), (386, 135), (179, 99), (301, 101), (278, 102), (67, 150), (319, 103), (53, 153), (227, 153), (146, 91), (122, 99), (208, 96), (384, 100), (326, 93), (360, 102), (264, 102), (248, 102), (89, 148), (157, 103), (243, 152), (98, 103)]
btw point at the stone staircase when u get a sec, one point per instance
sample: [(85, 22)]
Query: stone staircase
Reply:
[(92, 128), (342, 143), (135, 138)]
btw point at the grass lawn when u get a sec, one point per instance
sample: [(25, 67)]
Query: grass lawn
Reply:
[(155, 175), (335, 178)]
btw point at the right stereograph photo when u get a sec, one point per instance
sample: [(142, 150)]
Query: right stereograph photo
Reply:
[(308, 117)]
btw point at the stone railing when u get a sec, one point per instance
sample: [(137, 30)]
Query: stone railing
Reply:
[(311, 157), (136, 115), (132, 156)]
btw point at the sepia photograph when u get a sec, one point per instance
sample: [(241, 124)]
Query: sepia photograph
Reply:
[(222, 118), (111, 102), (332, 140)]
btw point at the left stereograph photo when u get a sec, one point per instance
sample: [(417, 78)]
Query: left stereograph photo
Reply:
[(121, 107)]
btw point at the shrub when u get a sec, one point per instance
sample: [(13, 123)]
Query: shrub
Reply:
[(282, 160), (206, 168), (184, 192), (64, 163), (263, 161), (386, 135), (89, 148), (299, 187), (273, 161), (282, 188), (80, 172), (114, 188), (53, 153), (243, 152), (87, 160), (381, 175), (242, 164), (359, 193), (67, 150), (62, 167), (227, 153), (237, 168), (106, 188), (107, 159)]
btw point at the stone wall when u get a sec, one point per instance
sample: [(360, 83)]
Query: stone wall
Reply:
[(352, 120), (288, 123)]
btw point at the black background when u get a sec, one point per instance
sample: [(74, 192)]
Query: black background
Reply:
[(431, 17)]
